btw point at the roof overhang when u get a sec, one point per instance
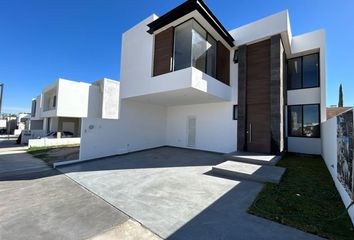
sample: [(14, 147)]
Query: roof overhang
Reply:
[(188, 7)]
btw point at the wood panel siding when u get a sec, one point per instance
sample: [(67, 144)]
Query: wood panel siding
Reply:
[(223, 63), (163, 52), (258, 73), (258, 97)]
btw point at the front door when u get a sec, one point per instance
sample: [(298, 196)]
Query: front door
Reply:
[(258, 128)]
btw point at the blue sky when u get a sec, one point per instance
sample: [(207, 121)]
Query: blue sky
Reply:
[(80, 40)]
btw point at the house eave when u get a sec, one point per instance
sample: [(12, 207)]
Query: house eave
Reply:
[(188, 7)]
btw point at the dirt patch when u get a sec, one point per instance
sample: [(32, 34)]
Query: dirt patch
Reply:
[(56, 154)]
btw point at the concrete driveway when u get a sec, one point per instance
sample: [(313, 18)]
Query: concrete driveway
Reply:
[(170, 192), (38, 202)]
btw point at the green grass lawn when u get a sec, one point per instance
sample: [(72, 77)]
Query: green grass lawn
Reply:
[(306, 199)]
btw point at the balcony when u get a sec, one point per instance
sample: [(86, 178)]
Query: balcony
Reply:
[(183, 87), (189, 66)]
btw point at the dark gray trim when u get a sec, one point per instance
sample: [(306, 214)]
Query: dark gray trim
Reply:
[(302, 71), (184, 9), (235, 112), (302, 110), (242, 79), (275, 95)]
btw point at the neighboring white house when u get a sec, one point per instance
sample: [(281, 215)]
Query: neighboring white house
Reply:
[(62, 105), (186, 81)]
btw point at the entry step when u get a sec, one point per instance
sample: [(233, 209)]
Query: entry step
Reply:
[(248, 171), (254, 158)]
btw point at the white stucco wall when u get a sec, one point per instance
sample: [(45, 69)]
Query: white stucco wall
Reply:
[(136, 58), (39, 108), (329, 154), (314, 42), (304, 145), (304, 96), (137, 64), (53, 142), (94, 102), (140, 126), (72, 99), (110, 99), (262, 29), (215, 128)]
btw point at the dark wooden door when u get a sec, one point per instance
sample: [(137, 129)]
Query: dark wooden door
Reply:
[(258, 126)]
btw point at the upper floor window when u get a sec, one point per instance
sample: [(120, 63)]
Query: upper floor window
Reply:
[(303, 72), (194, 46), (54, 101), (33, 110)]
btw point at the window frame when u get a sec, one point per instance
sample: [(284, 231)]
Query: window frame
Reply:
[(302, 72), (235, 112), (207, 36), (302, 120), (34, 108), (54, 101)]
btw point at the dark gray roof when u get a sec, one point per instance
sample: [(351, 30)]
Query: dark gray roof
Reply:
[(184, 9)]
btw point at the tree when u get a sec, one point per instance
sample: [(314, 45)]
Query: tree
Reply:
[(340, 101)]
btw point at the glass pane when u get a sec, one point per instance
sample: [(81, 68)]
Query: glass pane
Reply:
[(311, 121), (310, 71), (295, 121), (199, 47), (183, 46), (211, 56), (294, 73)]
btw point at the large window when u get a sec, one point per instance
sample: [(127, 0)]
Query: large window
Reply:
[(303, 72), (194, 47), (304, 120)]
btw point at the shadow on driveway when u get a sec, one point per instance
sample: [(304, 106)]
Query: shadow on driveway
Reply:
[(37, 202), (167, 190)]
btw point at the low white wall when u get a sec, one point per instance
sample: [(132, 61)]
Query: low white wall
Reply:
[(304, 145), (215, 128), (329, 154), (52, 142), (31, 134), (140, 126), (17, 132)]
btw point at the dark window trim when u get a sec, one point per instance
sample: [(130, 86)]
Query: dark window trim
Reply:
[(302, 120), (55, 101), (235, 111), (184, 9), (302, 72), (34, 108)]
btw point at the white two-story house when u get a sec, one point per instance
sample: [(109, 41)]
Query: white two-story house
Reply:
[(62, 105), (188, 82)]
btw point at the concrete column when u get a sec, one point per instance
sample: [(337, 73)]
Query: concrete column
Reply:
[(276, 95), (242, 80)]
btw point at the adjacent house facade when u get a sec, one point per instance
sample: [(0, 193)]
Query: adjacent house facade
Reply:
[(62, 105), (186, 81)]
